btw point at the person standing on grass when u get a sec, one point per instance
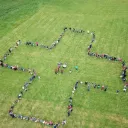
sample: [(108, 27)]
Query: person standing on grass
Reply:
[(69, 112), (81, 82), (19, 96), (62, 71), (37, 43), (70, 28), (117, 91), (76, 85), (1, 63), (10, 50), (5, 56), (11, 114), (76, 67), (15, 68), (123, 63), (95, 85), (102, 88), (65, 29), (124, 89), (105, 89), (56, 125), (70, 71), (86, 82), (70, 99), (120, 59), (17, 43), (98, 86), (63, 122), (64, 65), (88, 87), (58, 68)]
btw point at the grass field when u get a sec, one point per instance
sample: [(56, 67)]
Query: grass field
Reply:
[(47, 98)]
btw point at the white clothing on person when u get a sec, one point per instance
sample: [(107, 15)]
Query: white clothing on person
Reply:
[(64, 65), (124, 89)]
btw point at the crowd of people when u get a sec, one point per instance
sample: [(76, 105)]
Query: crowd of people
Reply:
[(54, 44), (88, 85), (16, 67), (46, 46), (10, 50), (111, 58), (31, 118), (24, 89), (70, 104), (74, 30), (123, 74), (94, 85), (69, 107), (59, 69), (22, 92)]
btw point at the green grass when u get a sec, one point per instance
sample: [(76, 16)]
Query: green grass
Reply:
[(47, 98)]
